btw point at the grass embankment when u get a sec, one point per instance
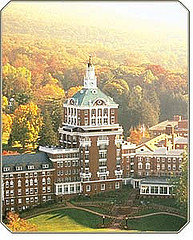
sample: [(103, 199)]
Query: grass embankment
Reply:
[(68, 220), (157, 223), (73, 220)]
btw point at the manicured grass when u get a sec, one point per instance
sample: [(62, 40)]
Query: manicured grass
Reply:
[(157, 223), (96, 209), (118, 196), (169, 202), (68, 220)]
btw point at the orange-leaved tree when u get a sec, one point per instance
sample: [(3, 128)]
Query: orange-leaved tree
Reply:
[(136, 134), (17, 224)]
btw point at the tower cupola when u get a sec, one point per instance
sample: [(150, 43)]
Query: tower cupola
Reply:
[(90, 79)]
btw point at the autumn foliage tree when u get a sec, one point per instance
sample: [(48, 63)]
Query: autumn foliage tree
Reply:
[(17, 224), (27, 123), (136, 134)]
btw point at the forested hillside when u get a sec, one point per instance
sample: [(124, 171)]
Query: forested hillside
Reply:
[(44, 57)]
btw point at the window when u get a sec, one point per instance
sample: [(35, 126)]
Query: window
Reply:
[(140, 165), (35, 181), (27, 191), (19, 191), (7, 193), (31, 182), (7, 184), (31, 199), (117, 185), (19, 183), (86, 121), (18, 168), (26, 183), (43, 189), (27, 200), (11, 183), (30, 167), (169, 166), (102, 187), (36, 199), (147, 166), (43, 181), (31, 191), (48, 180), (6, 169), (88, 188), (45, 166), (19, 200), (48, 189), (174, 167)]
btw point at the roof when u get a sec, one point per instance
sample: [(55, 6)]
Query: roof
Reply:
[(24, 160), (181, 140), (88, 96), (155, 180), (162, 125), (151, 143), (162, 151)]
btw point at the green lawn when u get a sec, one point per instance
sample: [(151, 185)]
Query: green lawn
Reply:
[(73, 220), (96, 209), (68, 220), (157, 223), (118, 196), (169, 202)]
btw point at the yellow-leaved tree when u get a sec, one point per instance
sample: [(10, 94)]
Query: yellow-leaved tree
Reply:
[(26, 126), (17, 224)]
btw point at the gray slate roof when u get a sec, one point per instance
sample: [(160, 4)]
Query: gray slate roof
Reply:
[(24, 160), (87, 96)]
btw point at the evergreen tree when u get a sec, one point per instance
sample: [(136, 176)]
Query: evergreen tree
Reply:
[(47, 135)]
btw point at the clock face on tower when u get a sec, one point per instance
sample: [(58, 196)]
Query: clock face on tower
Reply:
[(72, 101), (99, 102)]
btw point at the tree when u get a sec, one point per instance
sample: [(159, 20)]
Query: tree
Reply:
[(7, 123), (47, 135), (136, 134), (149, 77), (26, 124), (16, 80), (17, 224), (181, 184)]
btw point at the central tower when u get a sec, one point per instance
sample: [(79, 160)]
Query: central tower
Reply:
[(89, 158)]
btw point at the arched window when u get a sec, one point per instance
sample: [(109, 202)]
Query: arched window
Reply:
[(19, 183), (31, 182), (147, 165), (140, 165)]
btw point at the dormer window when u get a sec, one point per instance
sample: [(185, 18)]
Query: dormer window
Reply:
[(45, 165), (18, 168), (6, 169), (30, 167)]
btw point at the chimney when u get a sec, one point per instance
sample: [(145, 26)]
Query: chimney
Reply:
[(177, 118)]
